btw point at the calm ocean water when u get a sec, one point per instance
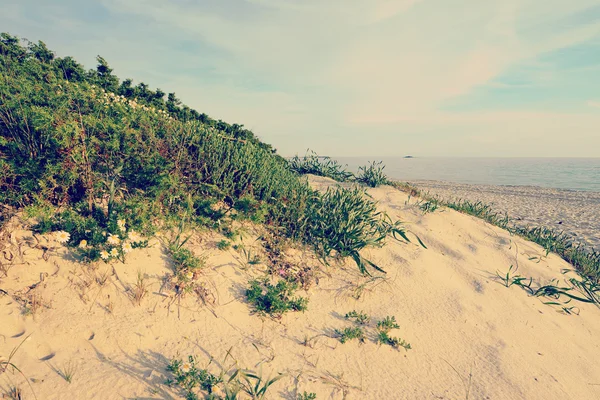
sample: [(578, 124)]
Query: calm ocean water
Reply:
[(561, 173)]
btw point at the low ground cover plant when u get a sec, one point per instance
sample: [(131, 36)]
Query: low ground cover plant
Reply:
[(196, 382), (191, 378), (382, 330), (383, 337), (429, 206), (275, 300), (351, 333), (358, 316), (94, 235), (307, 396)]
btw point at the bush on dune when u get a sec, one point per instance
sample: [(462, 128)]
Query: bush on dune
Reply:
[(87, 142)]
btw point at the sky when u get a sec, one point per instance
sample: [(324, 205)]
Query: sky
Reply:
[(510, 78)]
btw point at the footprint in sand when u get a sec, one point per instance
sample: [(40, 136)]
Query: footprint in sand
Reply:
[(45, 352), (12, 329)]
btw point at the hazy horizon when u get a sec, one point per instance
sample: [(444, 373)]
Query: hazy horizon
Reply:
[(376, 157), (435, 78), (572, 173)]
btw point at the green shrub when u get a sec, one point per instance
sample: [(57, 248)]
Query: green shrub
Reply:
[(383, 329), (93, 235), (223, 244), (275, 300), (196, 382), (384, 338), (359, 317), (184, 259), (342, 222), (372, 175), (351, 333), (311, 163), (189, 378), (85, 141)]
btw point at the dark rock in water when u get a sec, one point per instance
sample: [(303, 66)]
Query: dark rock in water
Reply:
[(408, 157)]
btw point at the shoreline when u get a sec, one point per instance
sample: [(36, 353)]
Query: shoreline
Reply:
[(435, 182), (576, 212)]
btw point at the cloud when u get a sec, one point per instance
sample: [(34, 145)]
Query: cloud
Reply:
[(595, 104), (323, 73)]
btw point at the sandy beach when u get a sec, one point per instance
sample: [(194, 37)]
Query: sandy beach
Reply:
[(151, 250), (470, 336), (577, 213)]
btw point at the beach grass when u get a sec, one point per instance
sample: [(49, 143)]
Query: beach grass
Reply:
[(372, 174), (314, 164), (585, 260), (91, 150)]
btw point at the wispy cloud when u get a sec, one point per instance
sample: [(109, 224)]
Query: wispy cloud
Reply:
[(354, 77)]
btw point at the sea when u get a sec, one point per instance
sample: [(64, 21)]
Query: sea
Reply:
[(559, 173)]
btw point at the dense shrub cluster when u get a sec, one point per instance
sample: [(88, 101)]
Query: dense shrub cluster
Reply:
[(94, 145)]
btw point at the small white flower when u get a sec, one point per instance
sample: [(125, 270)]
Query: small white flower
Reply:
[(127, 247), (134, 236), (113, 239), (114, 252), (186, 367), (83, 244), (62, 236), (104, 255), (121, 224)]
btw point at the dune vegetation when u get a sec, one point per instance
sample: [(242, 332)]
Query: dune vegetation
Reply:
[(104, 167), (81, 150)]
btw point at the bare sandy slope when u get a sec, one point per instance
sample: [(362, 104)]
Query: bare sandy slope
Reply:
[(458, 319)]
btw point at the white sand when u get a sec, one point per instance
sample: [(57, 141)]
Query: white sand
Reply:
[(459, 321), (577, 213)]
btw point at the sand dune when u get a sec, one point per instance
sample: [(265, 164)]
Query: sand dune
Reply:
[(577, 213), (470, 335)]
